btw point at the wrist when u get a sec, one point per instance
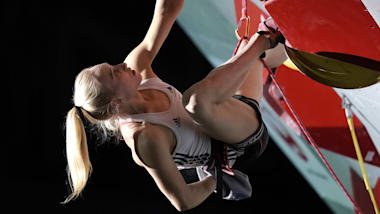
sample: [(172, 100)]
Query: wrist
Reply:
[(263, 42), (266, 41)]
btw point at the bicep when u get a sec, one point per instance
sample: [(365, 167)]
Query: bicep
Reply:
[(139, 59), (157, 160)]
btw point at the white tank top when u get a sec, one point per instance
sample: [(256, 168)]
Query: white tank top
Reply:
[(193, 147)]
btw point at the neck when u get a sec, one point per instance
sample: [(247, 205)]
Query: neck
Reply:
[(136, 105)]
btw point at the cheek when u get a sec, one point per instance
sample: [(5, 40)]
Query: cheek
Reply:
[(128, 83)]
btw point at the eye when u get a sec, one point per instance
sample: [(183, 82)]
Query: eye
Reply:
[(116, 70)]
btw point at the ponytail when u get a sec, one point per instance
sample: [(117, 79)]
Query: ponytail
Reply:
[(79, 166), (95, 107)]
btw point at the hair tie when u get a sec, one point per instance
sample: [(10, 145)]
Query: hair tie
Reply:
[(79, 110), (77, 107)]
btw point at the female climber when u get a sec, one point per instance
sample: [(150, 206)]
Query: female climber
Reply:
[(165, 130)]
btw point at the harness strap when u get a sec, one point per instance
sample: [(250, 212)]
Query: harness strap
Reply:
[(217, 157)]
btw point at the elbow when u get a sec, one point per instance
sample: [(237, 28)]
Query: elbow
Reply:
[(181, 203), (182, 207)]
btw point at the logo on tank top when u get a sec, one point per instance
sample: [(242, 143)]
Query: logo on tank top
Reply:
[(177, 121), (173, 92)]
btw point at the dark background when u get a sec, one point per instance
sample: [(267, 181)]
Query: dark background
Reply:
[(44, 50)]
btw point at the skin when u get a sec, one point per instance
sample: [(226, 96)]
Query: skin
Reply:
[(123, 81), (209, 104)]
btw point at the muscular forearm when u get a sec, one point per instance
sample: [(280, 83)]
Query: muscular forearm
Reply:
[(169, 6), (198, 192), (165, 14)]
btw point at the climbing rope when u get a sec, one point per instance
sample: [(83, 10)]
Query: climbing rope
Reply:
[(246, 18), (299, 122), (309, 139)]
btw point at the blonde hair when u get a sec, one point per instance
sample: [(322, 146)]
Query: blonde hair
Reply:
[(93, 101)]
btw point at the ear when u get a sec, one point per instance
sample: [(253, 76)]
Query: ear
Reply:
[(115, 103)]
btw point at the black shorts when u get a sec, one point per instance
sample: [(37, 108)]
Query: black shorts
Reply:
[(244, 152), (253, 146)]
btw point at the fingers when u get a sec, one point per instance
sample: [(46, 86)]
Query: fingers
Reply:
[(242, 45)]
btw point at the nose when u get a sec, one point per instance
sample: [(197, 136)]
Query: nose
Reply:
[(122, 66), (125, 67)]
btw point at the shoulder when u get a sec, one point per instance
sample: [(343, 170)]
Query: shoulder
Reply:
[(151, 132), (152, 143)]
